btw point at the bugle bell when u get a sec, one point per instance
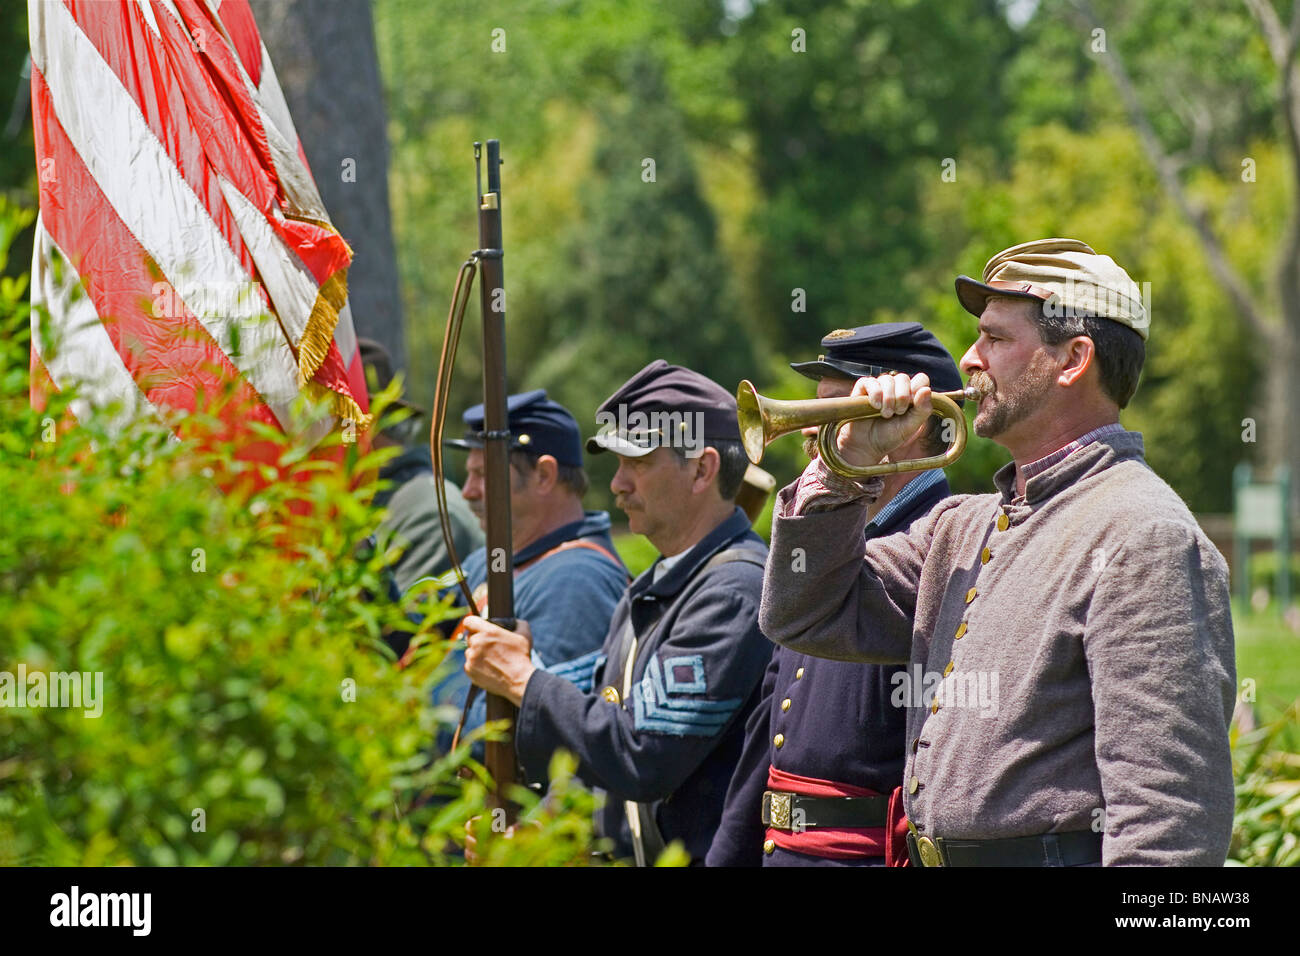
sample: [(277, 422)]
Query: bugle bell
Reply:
[(762, 420)]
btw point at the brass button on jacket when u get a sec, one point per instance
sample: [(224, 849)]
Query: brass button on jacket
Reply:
[(769, 846), (970, 595), (913, 785), (1003, 522), (778, 741), (985, 555), (961, 630), (785, 704), (798, 675)]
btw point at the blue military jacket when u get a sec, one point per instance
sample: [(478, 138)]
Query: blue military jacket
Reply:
[(839, 725), (695, 678), (567, 599)]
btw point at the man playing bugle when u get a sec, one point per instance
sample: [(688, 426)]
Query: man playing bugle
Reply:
[(1068, 637)]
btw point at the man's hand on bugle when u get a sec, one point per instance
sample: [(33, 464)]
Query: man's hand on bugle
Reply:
[(904, 405)]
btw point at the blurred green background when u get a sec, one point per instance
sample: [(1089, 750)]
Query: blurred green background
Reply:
[(864, 153)]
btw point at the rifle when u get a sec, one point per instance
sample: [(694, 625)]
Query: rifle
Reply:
[(499, 756)]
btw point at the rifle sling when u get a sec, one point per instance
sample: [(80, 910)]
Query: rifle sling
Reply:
[(472, 695)]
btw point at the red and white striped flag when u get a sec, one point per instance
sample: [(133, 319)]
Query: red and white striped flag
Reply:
[(182, 246)]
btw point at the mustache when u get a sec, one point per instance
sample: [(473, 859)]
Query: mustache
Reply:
[(982, 382), (810, 446)]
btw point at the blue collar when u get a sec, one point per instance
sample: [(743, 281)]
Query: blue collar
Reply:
[(906, 498), (737, 526)]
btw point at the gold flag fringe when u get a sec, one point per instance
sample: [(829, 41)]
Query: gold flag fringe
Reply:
[(319, 333), (343, 406)]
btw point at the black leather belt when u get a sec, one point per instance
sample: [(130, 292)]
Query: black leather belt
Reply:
[(1076, 848), (793, 811)]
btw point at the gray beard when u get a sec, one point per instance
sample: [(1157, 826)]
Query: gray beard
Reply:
[(997, 420), (1015, 403)]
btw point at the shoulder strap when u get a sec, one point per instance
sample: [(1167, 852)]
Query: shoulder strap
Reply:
[(628, 642), (745, 555), (574, 543)]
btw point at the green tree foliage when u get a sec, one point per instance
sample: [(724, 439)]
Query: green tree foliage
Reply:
[(647, 278), (606, 268), (853, 106), (1202, 72)]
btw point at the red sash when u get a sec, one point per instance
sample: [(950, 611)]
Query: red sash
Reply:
[(841, 843)]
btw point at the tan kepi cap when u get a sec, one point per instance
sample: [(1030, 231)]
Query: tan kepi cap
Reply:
[(1066, 274)]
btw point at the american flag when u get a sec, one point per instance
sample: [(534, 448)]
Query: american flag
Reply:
[(182, 247)]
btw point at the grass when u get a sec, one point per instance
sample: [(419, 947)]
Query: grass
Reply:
[(1269, 654)]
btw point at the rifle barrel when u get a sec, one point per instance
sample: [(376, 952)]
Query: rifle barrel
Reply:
[(498, 756)]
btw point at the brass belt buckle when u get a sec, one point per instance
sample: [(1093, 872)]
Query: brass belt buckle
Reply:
[(930, 855), (776, 809), (925, 847)]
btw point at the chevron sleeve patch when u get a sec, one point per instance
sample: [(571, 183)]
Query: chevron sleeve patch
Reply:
[(659, 704)]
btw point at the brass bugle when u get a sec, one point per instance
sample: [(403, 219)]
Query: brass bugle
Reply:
[(763, 420)]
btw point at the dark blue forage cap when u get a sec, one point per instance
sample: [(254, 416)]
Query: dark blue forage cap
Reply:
[(885, 347), (538, 426), (664, 405)]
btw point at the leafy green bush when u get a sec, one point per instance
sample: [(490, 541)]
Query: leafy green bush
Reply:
[(250, 712), (1266, 762)]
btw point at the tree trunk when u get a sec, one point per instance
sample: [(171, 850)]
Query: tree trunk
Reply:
[(1284, 355), (324, 54)]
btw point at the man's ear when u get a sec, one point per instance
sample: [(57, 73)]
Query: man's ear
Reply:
[(547, 473), (706, 466), (1078, 354)]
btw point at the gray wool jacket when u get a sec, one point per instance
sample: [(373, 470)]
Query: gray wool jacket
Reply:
[(1074, 670)]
